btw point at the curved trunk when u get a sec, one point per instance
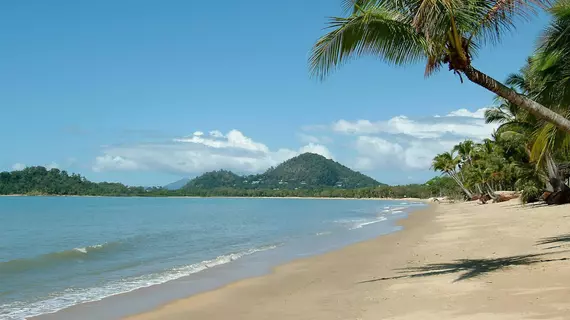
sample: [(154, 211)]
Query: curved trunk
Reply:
[(461, 185), (555, 182), (512, 96)]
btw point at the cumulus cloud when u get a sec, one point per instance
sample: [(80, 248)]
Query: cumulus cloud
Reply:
[(375, 152), (461, 122), (234, 139), (18, 166), (116, 162), (199, 153), (318, 149), (409, 143)]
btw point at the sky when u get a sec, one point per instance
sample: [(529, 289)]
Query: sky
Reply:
[(147, 92)]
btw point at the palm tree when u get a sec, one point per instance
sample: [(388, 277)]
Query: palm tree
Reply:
[(465, 150), (552, 60), (447, 164), (541, 140), (442, 32)]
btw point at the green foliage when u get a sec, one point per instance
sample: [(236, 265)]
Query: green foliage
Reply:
[(405, 31), (444, 186), (307, 171), (40, 181), (216, 179), (308, 175), (530, 191)]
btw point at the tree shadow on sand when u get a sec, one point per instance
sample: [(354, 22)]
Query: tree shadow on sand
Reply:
[(470, 268), (559, 240)]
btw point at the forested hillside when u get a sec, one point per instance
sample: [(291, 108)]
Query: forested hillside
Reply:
[(40, 181), (307, 171)]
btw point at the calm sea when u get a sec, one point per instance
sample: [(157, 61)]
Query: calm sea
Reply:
[(57, 252)]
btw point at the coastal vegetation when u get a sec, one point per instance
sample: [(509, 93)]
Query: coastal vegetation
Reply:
[(442, 33), (528, 152), (308, 175), (306, 171)]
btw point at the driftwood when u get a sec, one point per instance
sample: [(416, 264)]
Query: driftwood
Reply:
[(498, 197), (505, 197), (556, 198), (561, 195)]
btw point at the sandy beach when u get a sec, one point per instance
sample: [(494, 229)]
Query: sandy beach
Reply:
[(452, 261)]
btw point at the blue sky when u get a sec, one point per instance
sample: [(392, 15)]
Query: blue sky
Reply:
[(147, 92)]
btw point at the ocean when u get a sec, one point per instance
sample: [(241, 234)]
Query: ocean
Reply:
[(58, 252)]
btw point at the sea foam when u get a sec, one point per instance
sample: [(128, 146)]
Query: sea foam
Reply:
[(70, 297)]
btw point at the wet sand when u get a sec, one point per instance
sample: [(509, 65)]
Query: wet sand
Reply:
[(452, 261)]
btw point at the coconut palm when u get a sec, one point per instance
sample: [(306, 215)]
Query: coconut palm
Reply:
[(552, 60), (465, 150), (441, 32), (447, 163)]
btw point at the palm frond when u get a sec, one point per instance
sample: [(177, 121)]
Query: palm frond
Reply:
[(516, 80), (374, 31), (500, 16), (497, 115)]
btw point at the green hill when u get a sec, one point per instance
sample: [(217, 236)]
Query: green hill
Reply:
[(215, 179), (307, 171), (41, 181)]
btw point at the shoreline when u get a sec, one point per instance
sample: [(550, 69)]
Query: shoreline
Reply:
[(225, 274), (451, 261), (415, 219), (214, 197)]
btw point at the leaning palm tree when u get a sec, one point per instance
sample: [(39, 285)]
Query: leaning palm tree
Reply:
[(447, 164), (441, 32)]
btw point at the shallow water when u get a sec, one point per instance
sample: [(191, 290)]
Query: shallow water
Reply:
[(62, 251)]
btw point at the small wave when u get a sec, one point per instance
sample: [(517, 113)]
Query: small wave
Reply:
[(55, 258), (325, 233), (71, 297), (362, 224)]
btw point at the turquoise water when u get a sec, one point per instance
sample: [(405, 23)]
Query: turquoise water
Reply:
[(62, 251)]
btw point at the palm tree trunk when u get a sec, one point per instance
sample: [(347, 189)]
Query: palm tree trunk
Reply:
[(554, 182), (490, 191), (529, 105), (461, 185)]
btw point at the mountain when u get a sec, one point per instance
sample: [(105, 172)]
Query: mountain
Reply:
[(306, 171), (215, 179), (177, 184)]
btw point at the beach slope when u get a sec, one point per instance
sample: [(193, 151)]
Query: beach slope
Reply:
[(458, 261)]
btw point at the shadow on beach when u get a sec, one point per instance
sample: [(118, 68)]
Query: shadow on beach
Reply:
[(470, 268), (560, 240)]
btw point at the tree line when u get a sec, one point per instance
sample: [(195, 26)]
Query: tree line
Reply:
[(529, 151), (41, 181)]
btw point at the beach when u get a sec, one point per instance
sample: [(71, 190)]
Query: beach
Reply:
[(451, 261)]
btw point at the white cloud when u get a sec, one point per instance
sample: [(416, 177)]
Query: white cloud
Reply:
[(200, 153), (18, 166), (216, 134), (318, 149), (234, 139), (198, 133), (110, 162), (410, 143), (374, 153), (466, 113), (52, 165), (461, 122)]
